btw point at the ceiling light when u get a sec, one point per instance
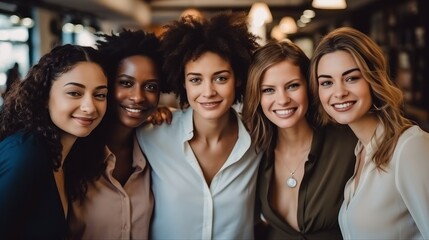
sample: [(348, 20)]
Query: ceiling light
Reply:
[(277, 34), (329, 4), (288, 25), (260, 14), (309, 13)]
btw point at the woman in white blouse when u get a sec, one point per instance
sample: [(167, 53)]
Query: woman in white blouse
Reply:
[(203, 165), (388, 195)]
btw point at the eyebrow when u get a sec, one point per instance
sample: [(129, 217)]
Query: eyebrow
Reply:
[(133, 78), (215, 73), (287, 83), (343, 74), (83, 86)]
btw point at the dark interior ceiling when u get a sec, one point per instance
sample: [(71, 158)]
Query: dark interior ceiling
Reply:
[(162, 11)]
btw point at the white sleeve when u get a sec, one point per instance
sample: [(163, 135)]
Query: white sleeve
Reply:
[(412, 178)]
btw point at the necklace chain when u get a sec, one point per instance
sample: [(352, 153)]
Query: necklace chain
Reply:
[(293, 172), (291, 180)]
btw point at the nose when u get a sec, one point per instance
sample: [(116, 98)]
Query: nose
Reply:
[(208, 90), (340, 91), (87, 106), (282, 98), (137, 95)]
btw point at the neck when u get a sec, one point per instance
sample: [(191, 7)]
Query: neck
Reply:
[(119, 136), (296, 138), (365, 127), (214, 130)]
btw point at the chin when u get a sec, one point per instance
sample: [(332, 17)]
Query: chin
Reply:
[(133, 124), (343, 121)]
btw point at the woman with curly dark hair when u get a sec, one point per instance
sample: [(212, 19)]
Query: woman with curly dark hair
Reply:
[(203, 165), (119, 204), (62, 98)]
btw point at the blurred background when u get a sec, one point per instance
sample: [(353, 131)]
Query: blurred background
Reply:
[(30, 28)]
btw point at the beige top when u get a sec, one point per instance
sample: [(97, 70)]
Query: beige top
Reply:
[(112, 211)]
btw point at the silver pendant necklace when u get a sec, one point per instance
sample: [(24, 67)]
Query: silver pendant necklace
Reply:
[(291, 181)]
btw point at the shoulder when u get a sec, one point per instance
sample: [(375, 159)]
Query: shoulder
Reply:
[(24, 141), (150, 132), (23, 149), (338, 133), (413, 141)]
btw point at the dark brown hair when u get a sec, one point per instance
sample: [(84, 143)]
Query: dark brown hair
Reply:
[(225, 34)]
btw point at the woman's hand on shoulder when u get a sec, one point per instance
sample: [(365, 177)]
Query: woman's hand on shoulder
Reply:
[(160, 115)]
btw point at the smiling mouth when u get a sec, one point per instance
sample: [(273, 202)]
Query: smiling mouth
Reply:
[(84, 121), (133, 110), (341, 106), (284, 111), (210, 104)]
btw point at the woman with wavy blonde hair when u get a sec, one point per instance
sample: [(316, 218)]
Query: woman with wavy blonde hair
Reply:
[(388, 195)]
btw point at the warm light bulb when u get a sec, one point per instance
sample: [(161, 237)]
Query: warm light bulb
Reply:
[(288, 25), (260, 14), (329, 4)]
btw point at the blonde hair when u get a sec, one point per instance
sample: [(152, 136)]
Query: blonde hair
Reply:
[(387, 99), (262, 131)]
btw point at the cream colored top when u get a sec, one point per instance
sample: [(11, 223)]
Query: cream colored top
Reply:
[(111, 211), (391, 204)]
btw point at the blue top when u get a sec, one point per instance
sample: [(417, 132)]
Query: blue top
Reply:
[(30, 205)]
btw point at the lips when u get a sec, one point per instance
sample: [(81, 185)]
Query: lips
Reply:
[(284, 112), (133, 110), (210, 104), (343, 106), (84, 121)]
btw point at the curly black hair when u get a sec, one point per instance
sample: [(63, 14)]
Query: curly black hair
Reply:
[(187, 39), (116, 47), (25, 106), (113, 48)]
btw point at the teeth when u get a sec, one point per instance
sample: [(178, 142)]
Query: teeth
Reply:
[(343, 105), (134, 110), (284, 112), (209, 104)]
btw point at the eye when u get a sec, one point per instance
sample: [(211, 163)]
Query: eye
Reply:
[(125, 83), (352, 78), (74, 93), (293, 86), (151, 87), (267, 90), (325, 83), (221, 78), (100, 96), (194, 80)]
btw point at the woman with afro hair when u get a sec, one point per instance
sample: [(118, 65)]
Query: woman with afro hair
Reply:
[(203, 165), (62, 98), (119, 204)]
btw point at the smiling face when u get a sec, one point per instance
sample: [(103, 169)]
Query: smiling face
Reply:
[(77, 99), (344, 93), (136, 90), (210, 86), (284, 98)]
